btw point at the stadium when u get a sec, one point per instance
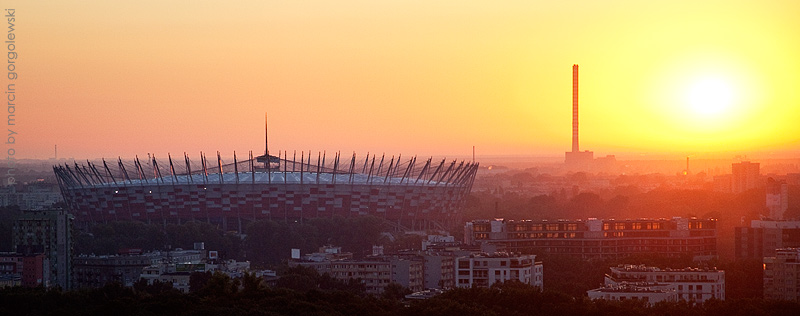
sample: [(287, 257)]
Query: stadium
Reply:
[(408, 194)]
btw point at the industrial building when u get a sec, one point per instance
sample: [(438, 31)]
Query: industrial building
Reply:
[(577, 159)]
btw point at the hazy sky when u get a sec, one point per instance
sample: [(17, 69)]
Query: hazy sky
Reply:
[(123, 78)]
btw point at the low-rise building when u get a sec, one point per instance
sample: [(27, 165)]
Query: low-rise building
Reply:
[(28, 270), (782, 275), (97, 271), (650, 293), (692, 284), (483, 269), (375, 272), (128, 265)]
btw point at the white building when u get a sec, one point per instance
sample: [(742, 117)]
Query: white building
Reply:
[(692, 284), (650, 293), (483, 270)]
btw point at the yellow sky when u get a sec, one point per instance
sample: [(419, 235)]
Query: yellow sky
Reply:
[(103, 78)]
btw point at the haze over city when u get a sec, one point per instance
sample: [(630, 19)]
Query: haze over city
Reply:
[(104, 79), (359, 157)]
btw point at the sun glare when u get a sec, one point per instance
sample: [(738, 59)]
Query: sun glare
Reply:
[(710, 96)]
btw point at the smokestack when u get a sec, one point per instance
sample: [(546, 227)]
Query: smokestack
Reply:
[(575, 147)]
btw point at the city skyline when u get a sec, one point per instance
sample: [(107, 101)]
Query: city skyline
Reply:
[(103, 80)]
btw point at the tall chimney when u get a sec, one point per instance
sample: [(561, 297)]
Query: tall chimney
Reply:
[(575, 147)]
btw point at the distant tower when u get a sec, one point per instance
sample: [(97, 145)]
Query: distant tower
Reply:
[(746, 176), (575, 147), (576, 159)]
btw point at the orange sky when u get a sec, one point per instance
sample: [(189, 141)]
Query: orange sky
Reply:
[(103, 79)]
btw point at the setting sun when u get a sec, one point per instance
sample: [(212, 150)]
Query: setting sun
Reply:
[(710, 96)]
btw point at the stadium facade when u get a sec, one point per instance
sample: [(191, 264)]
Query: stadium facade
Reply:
[(407, 193)]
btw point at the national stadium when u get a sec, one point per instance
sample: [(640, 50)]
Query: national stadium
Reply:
[(407, 193)]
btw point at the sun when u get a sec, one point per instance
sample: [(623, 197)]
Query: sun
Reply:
[(710, 96)]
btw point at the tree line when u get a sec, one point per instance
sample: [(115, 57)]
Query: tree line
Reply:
[(219, 295)]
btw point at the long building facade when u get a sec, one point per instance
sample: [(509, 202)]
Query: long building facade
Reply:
[(599, 238), (414, 194), (691, 284)]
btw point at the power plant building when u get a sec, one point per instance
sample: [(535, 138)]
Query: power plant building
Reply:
[(576, 158)]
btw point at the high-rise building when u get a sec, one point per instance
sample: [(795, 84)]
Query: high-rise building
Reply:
[(746, 176), (777, 198), (763, 237), (782, 275), (575, 158), (48, 232)]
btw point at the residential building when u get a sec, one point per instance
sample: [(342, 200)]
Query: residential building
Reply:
[(179, 274), (321, 260), (746, 176), (48, 232), (127, 266), (35, 196), (782, 275), (97, 271), (439, 270), (650, 293), (483, 269), (599, 238), (377, 272), (692, 284), (30, 270), (777, 198), (764, 236)]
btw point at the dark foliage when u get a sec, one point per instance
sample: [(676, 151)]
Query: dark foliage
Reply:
[(222, 296)]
